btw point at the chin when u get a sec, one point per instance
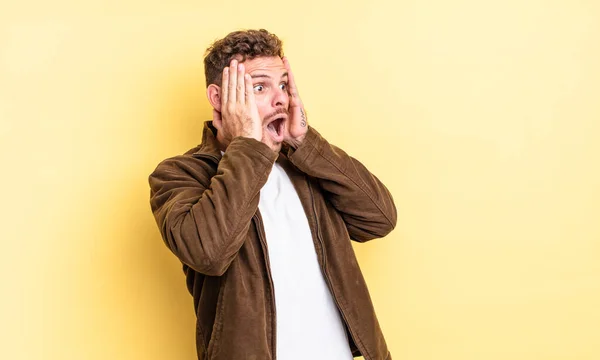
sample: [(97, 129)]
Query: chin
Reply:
[(275, 147), (270, 142)]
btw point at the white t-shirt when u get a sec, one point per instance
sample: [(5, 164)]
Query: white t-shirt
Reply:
[(309, 325)]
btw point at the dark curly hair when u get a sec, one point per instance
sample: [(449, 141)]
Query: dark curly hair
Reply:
[(247, 44)]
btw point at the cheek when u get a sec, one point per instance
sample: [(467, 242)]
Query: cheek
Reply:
[(263, 108)]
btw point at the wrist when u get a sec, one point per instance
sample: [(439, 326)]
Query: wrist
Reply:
[(297, 141)]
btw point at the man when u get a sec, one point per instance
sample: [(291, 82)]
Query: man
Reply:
[(261, 215)]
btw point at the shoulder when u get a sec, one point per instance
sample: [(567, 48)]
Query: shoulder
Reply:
[(192, 163)]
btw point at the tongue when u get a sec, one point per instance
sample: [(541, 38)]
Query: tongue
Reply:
[(271, 127)]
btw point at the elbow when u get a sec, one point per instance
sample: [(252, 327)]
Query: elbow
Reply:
[(216, 266), (389, 219), (195, 253), (373, 229), (373, 234), (205, 265), (385, 230), (201, 262), (208, 267), (390, 223)]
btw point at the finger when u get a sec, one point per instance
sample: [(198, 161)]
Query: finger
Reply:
[(292, 88), (241, 87), (232, 81), (249, 89), (224, 85)]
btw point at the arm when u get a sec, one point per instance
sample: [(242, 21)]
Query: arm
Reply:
[(364, 202), (204, 220), (204, 217)]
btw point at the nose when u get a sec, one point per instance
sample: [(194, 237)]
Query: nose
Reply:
[(281, 98)]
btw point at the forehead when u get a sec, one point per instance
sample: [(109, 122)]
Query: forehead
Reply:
[(272, 66)]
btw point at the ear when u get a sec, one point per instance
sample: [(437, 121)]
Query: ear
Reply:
[(213, 93)]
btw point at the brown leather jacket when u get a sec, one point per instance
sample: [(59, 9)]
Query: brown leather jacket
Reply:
[(206, 207)]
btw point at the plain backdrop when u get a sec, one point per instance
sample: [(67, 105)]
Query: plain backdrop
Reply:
[(482, 118)]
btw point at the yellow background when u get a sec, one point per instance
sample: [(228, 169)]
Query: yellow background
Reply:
[(482, 117)]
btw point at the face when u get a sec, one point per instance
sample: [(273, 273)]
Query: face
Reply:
[(270, 81)]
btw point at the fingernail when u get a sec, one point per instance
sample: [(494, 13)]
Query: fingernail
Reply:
[(241, 67)]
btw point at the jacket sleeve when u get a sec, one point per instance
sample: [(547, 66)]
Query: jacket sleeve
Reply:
[(204, 219), (364, 202)]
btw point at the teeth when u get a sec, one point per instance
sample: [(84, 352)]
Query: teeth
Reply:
[(275, 126)]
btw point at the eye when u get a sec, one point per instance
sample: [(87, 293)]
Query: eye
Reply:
[(258, 88), (283, 86)]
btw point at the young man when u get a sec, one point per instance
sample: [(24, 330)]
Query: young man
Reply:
[(261, 215)]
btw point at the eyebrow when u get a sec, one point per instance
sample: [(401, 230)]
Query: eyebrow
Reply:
[(258, 76)]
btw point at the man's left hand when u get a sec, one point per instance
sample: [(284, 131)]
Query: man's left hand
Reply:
[(297, 125)]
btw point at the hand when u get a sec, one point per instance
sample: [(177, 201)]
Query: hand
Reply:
[(239, 113), (297, 125)]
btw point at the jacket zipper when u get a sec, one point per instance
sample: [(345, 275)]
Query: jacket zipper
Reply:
[(258, 221), (326, 275)]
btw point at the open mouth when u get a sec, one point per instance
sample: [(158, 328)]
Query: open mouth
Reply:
[(275, 127)]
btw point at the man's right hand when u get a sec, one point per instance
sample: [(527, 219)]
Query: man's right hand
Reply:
[(239, 114)]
